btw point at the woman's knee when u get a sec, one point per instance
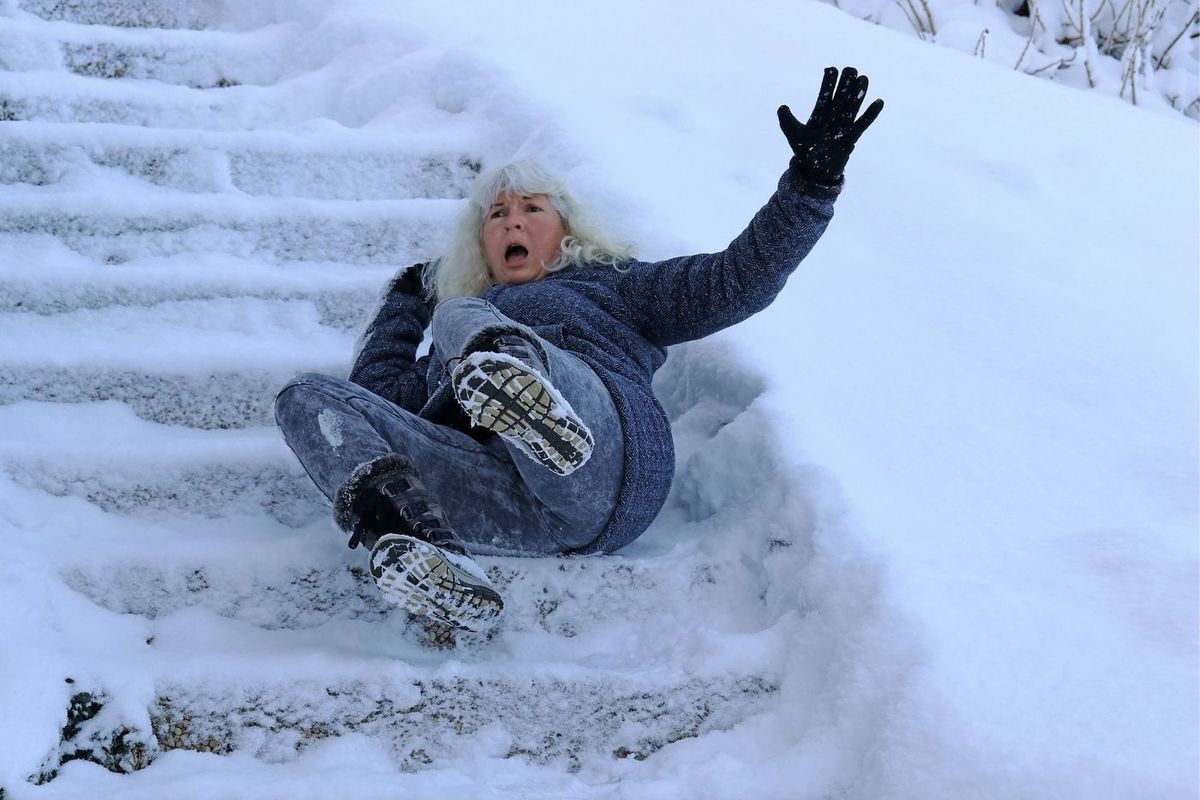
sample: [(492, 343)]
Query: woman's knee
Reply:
[(464, 324), (450, 314), (304, 388)]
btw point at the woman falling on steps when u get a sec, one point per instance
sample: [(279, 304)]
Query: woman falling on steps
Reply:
[(530, 428)]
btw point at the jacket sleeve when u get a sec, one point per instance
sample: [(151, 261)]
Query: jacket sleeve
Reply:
[(691, 297), (385, 361)]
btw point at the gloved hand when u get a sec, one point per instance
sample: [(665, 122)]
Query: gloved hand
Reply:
[(823, 145), (411, 281)]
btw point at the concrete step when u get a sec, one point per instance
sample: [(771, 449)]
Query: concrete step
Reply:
[(179, 523), (614, 687), (191, 14), (102, 452), (51, 279), (206, 59), (56, 96), (244, 641), (410, 97), (323, 164), (216, 400), (157, 223), (179, 526), (202, 363), (221, 686), (569, 719), (274, 577)]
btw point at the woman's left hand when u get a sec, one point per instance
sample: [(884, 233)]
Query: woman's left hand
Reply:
[(822, 146)]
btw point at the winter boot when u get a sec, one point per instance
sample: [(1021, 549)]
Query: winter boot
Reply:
[(416, 559), (503, 386)]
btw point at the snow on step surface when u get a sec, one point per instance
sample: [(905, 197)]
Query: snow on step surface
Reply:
[(58, 96), (254, 653), (199, 59), (162, 223), (153, 13), (428, 721), (204, 363), (54, 97), (215, 400), (103, 453), (275, 163), (184, 337), (275, 577), (63, 97), (45, 277)]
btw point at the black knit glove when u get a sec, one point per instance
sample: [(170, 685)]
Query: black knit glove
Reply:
[(823, 145), (411, 281)]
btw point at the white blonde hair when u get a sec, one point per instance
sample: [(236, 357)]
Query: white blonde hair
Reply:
[(463, 271)]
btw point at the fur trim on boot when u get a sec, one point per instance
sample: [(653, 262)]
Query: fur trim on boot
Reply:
[(347, 503)]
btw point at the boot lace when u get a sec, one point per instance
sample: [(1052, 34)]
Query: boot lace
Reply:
[(423, 517)]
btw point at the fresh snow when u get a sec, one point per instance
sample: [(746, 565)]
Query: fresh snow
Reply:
[(934, 527)]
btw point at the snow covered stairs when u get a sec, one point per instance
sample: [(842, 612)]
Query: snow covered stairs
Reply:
[(188, 217)]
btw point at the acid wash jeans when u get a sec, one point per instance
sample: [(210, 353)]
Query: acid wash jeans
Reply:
[(499, 500)]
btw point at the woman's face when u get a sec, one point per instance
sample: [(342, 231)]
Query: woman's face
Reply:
[(521, 235)]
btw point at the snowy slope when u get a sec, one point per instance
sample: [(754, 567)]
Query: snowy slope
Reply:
[(934, 527)]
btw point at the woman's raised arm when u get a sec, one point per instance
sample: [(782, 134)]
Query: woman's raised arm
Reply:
[(693, 296)]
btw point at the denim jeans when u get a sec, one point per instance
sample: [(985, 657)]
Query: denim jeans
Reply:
[(499, 500)]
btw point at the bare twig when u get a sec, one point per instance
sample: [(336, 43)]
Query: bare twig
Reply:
[(1154, 25), (981, 45), (1033, 20), (1041, 23), (1102, 37), (1061, 63), (1162, 60), (1085, 33), (1069, 17), (1083, 26), (1148, 22), (1125, 9), (910, 14), (921, 26), (1127, 69), (929, 16), (1115, 39), (1137, 54)]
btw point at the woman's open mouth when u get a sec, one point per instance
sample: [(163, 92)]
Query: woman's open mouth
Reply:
[(514, 253)]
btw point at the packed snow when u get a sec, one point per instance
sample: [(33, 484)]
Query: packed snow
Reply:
[(933, 531)]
